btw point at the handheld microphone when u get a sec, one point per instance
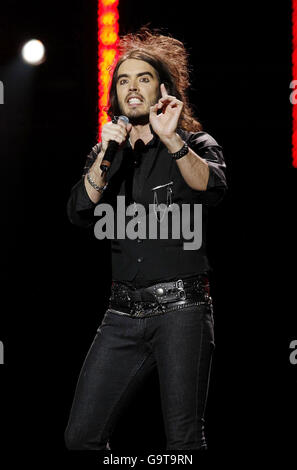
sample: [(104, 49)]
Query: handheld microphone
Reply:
[(111, 148)]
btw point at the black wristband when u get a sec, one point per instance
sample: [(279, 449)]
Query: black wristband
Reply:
[(181, 153)]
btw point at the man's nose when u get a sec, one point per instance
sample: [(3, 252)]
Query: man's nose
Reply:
[(133, 86)]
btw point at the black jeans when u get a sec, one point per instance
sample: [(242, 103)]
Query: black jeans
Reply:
[(179, 343)]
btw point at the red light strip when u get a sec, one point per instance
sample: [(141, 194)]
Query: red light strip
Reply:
[(108, 38), (294, 77)]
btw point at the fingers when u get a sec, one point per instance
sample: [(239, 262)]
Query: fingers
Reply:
[(166, 99), (165, 95), (154, 109), (129, 127), (169, 100), (121, 123), (125, 126), (175, 103), (117, 132), (163, 90)]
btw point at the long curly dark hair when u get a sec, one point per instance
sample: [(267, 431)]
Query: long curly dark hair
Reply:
[(169, 58)]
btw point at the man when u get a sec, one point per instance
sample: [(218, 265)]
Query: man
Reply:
[(160, 311)]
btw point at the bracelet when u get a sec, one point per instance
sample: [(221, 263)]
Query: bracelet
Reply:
[(181, 153), (100, 189)]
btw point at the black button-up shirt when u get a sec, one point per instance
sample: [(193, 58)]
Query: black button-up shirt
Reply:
[(133, 174)]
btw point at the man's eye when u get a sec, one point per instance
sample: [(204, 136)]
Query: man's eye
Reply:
[(123, 81), (144, 79)]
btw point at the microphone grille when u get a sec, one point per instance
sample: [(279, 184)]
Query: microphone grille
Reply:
[(124, 118)]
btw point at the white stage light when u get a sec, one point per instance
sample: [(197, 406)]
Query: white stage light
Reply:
[(33, 52)]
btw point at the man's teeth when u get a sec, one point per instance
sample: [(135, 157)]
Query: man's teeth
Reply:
[(134, 100)]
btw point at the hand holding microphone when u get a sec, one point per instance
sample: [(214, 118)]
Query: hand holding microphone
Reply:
[(113, 135)]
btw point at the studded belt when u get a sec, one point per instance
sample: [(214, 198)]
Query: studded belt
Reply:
[(160, 297)]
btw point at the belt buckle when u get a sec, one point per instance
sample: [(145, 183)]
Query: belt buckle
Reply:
[(169, 291)]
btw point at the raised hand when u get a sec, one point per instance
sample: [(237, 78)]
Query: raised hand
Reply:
[(165, 123)]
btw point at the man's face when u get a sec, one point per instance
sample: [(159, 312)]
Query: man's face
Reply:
[(137, 88)]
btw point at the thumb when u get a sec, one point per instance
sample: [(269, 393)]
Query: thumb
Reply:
[(154, 109), (129, 127)]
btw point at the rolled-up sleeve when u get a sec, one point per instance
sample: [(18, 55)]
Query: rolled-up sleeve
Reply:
[(80, 208), (207, 148)]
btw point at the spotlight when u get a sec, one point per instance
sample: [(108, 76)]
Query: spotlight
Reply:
[(33, 52)]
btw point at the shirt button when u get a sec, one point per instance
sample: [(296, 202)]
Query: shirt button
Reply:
[(140, 259)]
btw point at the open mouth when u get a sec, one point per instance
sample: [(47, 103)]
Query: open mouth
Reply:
[(134, 101)]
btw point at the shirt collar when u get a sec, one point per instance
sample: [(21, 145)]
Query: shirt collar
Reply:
[(152, 143)]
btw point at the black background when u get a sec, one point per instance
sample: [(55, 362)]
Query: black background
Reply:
[(55, 277)]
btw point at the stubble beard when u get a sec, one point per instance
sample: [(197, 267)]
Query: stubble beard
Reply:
[(138, 119), (135, 117)]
